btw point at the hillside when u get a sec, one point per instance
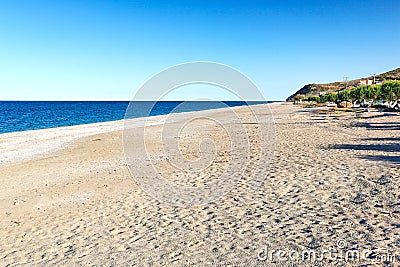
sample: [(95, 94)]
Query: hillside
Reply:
[(390, 75), (314, 89)]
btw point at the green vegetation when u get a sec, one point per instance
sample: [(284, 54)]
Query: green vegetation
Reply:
[(334, 87), (388, 92), (298, 98)]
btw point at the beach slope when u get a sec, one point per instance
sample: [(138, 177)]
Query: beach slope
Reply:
[(68, 197)]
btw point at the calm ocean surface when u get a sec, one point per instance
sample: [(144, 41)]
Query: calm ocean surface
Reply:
[(31, 115)]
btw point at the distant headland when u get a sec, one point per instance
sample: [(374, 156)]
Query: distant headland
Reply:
[(381, 89)]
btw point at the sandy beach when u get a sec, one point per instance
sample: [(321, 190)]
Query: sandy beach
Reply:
[(69, 199)]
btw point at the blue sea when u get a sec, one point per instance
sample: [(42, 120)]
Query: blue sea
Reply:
[(31, 115)]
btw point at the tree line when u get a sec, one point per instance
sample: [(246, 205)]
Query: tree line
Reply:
[(388, 92)]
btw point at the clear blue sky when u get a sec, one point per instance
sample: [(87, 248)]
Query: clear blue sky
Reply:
[(104, 50)]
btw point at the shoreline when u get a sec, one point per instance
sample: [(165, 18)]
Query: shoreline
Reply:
[(48, 140), (250, 103)]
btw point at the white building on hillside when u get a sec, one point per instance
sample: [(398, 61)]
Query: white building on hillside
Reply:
[(365, 82)]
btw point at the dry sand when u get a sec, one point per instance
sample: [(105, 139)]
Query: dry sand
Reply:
[(68, 197)]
